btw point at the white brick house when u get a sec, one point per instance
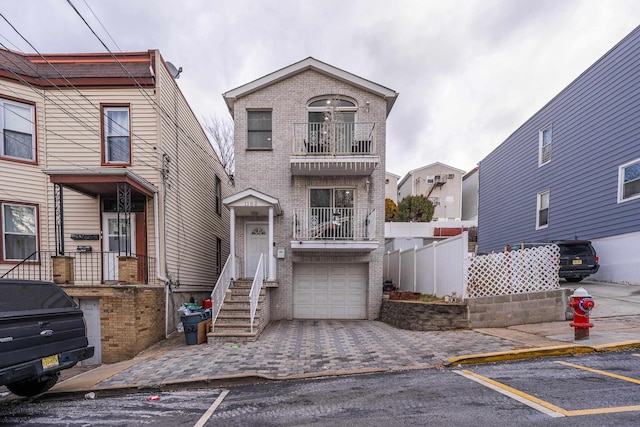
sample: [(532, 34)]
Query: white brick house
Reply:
[(310, 182)]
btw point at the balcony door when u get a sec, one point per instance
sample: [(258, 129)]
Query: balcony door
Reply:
[(117, 239), (331, 126), (331, 212)]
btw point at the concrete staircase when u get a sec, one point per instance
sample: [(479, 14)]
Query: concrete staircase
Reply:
[(234, 321)]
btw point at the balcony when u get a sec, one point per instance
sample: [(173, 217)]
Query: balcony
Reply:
[(334, 229), (334, 148)]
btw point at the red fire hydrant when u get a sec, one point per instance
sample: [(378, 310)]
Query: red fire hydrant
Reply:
[(582, 304)]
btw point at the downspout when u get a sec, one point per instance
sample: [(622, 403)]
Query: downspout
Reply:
[(158, 275)]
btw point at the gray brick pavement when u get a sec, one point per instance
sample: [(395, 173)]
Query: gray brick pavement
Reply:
[(294, 348)]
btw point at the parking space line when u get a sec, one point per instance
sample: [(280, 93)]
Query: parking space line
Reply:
[(531, 401), (205, 417), (597, 371)]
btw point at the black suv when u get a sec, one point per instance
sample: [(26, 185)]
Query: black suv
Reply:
[(578, 258)]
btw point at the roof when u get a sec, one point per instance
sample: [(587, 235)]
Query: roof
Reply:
[(310, 64), (411, 172), (90, 69)]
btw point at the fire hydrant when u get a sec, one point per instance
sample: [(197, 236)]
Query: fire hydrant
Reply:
[(582, 304)]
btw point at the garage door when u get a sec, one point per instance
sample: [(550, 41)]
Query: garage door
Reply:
[(330, 291)]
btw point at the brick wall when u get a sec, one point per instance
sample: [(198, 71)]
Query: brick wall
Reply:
[(268, 171), (131, 318)]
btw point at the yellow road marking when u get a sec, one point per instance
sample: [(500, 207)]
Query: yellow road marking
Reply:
[(597, 371), (637, 355), (541, 405), (538, 402)]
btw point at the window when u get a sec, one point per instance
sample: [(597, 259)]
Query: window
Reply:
[(450, 176), (332, 127), (629, 181), (331, 211), (259, 126), (545, 140), (19, 231), (218, 255), (117, 139), (218, 196), (18, 136), (542, 216)]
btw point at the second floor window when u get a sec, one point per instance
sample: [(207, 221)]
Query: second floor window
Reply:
[(18, 136), (259, 129), (117, 138), (545, 140), (218, 196)]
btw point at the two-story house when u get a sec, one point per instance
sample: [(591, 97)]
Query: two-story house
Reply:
[(110, 187), (310, 176), (572, 171), (391, 187), (441, 184)]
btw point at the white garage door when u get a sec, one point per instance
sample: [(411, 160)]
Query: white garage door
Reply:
[(330, 291)]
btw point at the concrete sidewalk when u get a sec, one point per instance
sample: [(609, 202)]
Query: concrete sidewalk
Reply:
[(302, 349)]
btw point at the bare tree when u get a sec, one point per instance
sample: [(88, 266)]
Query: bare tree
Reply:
[(220, 131)]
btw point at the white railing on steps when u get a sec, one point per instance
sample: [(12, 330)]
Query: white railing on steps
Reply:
[(220, 290), (256, 287)]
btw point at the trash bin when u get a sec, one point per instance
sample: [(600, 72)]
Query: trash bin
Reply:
[(190, 325)]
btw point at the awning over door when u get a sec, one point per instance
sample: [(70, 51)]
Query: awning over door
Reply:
[(100, 181)]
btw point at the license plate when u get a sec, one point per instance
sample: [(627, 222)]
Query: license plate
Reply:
[(50, 362), (577, 261)]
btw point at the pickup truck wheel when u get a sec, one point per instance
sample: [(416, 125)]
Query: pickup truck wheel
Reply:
[(35, 386)]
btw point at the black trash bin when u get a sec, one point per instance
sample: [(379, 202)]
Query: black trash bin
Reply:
[(190, 326)]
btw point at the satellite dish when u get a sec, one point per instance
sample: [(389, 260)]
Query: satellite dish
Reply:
[(175, 72)]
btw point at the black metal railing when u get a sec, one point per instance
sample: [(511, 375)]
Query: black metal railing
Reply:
[(89, 268)]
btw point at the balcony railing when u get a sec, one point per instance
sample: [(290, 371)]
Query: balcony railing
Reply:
[(334, 138), (85, 268), (334, 224)]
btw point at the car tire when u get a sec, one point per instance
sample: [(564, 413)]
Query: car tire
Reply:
[(573, 279), (34, 386)]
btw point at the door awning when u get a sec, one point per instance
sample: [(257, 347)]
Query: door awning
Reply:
[(100, 181), (252, 202)]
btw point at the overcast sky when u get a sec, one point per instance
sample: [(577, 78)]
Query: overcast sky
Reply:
[(469, 72)]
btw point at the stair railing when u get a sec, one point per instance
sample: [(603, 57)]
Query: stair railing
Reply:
[(256, 287), (220, 290)]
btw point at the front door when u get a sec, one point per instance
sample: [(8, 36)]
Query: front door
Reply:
[(117, 240), (91, 309), (257, 244)]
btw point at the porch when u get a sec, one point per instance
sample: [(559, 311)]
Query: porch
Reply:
[(86, 268)]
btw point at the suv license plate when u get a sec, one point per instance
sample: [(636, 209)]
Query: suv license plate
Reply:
[(50, 362), (577, 261)]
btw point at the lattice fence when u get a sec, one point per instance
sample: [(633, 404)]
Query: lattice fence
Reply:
[(529, 270)]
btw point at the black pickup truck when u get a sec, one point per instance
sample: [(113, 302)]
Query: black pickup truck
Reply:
[(42, 331)]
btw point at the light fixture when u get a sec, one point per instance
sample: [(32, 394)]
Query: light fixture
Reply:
[(367, 184)]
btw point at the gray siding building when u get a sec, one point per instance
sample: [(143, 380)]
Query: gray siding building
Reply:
[(572, 171)]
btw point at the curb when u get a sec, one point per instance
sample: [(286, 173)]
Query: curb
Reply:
[(560, 350)]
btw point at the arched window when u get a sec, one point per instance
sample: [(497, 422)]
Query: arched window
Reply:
[(331, 124)]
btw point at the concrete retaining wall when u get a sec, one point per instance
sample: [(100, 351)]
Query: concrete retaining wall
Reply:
[(486, 312), (518, 309)]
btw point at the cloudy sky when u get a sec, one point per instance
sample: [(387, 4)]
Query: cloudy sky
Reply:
[(469, 72)]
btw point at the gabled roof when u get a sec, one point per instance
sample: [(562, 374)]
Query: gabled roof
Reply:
[(235, 200), (411, 172), (310, 64)]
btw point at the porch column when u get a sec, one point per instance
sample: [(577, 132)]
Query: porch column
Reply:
[(232, 244), (271, 261)]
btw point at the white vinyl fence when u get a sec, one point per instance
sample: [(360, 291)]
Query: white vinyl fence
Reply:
[(445, 267), (436, 269)]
